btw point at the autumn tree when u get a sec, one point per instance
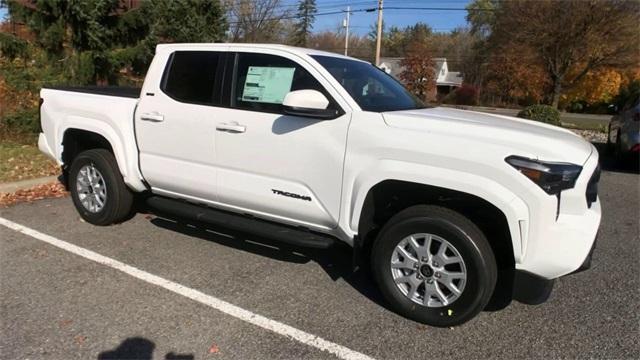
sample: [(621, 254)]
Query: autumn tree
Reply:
[(628, 93), (456, 46), (598, 86), (418, 72), (396, 41), (302, 28), (254, 21), (327, 41), (481, 16), (571, 37), (332, 41), (509, 79)]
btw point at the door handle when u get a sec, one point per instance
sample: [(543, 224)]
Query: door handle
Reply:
[(153, 117), (232, 127)]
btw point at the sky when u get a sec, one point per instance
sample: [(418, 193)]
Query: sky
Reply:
[(361, 22)]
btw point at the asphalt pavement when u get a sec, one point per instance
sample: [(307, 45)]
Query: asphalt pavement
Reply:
[(55, 304)]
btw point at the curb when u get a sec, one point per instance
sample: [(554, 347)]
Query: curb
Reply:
[(25, 184)]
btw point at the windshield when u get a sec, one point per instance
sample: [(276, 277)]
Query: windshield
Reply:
[(372, 88)]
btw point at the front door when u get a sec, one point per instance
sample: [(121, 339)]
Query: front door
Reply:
[(276, 165)]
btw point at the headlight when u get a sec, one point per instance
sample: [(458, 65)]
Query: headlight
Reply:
[(551, 177)]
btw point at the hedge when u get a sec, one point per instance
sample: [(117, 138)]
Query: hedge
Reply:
[(542, 113)]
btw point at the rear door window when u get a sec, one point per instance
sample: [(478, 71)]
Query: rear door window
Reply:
[(191, 76)]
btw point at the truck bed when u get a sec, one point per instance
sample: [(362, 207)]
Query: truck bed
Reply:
[(106, 111), (119, 91)]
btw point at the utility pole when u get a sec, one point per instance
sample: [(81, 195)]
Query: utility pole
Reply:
[(345, 24), (379, 33)]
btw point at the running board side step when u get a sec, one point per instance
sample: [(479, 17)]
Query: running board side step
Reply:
[(264, 228)]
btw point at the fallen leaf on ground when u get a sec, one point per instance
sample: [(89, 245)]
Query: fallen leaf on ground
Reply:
[(65, 322), (214, 349), (39, 192), (80, 339)]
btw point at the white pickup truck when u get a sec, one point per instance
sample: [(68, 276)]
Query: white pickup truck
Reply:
[(448, 207)]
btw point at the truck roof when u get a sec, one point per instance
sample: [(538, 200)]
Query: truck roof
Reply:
[(225, 46)]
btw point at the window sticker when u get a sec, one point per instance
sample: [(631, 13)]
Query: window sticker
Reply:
[(267, 84)]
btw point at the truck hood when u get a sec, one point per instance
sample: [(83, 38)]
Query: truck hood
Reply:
[(523, 137)]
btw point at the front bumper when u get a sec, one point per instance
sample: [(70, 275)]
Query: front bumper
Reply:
[(586, 264), (562, 231), (532, 289)]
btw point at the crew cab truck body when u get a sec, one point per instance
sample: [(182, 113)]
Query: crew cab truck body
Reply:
[(311, 147)]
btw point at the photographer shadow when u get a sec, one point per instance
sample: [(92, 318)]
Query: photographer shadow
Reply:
[(138, 348)]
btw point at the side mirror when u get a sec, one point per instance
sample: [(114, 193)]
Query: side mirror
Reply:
[(307, 103)]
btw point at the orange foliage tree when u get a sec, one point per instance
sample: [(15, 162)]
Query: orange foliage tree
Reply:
[(572, 37), (594, 87), (418, 72), (515, 75), (630, 74)]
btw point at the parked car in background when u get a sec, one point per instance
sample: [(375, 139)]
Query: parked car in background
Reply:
[(624, 129), (310, 148)]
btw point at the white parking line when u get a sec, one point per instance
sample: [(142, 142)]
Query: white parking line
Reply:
[(213, 302)]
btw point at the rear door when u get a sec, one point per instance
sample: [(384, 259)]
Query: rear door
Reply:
[(175, 124), (272, 164)]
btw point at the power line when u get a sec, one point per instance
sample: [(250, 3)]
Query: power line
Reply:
[(287, 17), (435, 8), (324, 6)]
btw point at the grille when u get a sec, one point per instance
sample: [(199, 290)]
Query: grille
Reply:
[(592, 187)]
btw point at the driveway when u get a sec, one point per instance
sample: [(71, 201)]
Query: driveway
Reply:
[(156, 287)]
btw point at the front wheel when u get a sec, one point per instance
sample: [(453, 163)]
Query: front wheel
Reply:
[(97, 188), (434, 265)]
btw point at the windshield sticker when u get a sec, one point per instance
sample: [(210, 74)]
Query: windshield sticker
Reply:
[(267, 84)]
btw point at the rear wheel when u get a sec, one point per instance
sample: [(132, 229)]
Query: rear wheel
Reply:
[(434, 266), (97, 188)]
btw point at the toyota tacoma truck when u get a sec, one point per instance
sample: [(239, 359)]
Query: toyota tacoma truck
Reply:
[(448, 207)]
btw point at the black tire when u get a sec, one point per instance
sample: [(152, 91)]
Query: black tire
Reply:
[(119, 200), (465, 236)]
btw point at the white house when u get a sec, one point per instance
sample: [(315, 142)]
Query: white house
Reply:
[(446, 80)]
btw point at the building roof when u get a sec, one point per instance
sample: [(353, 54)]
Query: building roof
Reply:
[(451, 78), (392, 66)]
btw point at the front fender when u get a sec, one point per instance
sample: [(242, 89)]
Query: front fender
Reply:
[(514, 209)]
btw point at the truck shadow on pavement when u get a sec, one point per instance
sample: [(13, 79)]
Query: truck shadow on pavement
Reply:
[(138, 348), (335, 261)]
